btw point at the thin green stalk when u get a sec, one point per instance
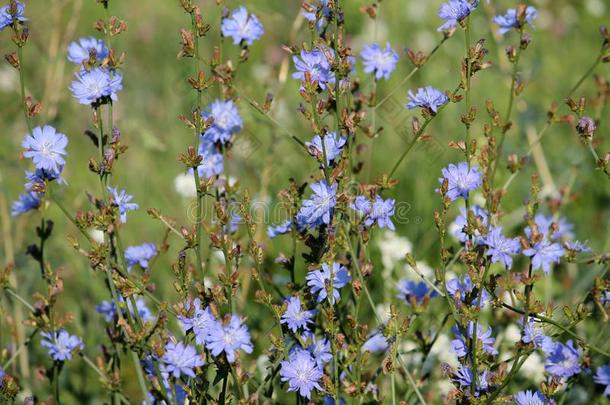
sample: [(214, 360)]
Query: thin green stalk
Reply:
[(19, 298), (223, 393), (549, 122), (199, 214), (377, 318), (318, 124), (21, 348), (22, 89), (410, 74), (416, 138), (55, 378), (199, 225), (467, 91), (63, 209), (509, 109)]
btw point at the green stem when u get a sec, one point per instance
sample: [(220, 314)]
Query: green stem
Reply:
[(22, 89), (66, 213), (223, 393), (410, 74), (509, 110), (467, 94), (199, 226), (416, 138), (377, 318), (55, 377), (25, 344)]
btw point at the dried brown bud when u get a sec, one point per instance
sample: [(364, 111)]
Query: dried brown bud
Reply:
[(12, 59)]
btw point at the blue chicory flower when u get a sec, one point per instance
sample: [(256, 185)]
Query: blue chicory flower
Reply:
[(229, 338), (60, 344), (454, 11), (201, 322), (39, 177), (296, 317), (551, 229), (484, 337), (212, 163), (108, 310), (463, 377), (317, 280), (427, 97), (530, 398), (603, 377), (324, 15), (380, 61), (226, 121), (281, 229), (181, 359), (376, 343), (562, 360), (532, 334), (122, 201), (9, 16), (500, 248), (463, 289), (318, 209), (409, 290), (242, 27), (46, 147), (332, 146), (78, 51), (544, 254), (92, 87), (140, 255), (461, 221), (315, 64), (302, 373), (509, 20), (461, 180), (27, 201), (319, 349), (379, 211)]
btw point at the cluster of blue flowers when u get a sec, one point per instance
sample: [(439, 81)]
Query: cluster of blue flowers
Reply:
[(108, 310), (484, 337), (215, 335), (97, 84), (545, 247), (377, 212)]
